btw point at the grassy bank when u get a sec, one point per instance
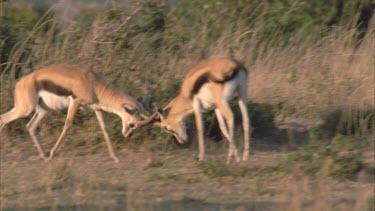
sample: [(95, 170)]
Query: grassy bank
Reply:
[(311, 100)]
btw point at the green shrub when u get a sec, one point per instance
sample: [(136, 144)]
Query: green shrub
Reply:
[(343, 157), (350, 122)]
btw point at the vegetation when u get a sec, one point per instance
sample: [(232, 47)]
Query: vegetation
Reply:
[(311, 99), (342, 158)]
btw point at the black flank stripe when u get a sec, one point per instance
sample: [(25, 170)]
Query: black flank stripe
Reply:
[(205, 77), (198, 84), (53, 88), (227, 77)]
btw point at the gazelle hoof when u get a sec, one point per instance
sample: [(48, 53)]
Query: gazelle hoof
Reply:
[(51, 155), (43, 157), (114, 158), (200, 158), (245, 158)]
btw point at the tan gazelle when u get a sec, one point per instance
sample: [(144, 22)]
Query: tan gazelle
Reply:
[(210, 86), (59, 87)]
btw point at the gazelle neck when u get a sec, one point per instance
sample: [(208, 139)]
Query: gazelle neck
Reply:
[(179, 108), (113, 100)]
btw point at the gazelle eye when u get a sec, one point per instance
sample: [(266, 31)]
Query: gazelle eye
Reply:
[(131, 125)]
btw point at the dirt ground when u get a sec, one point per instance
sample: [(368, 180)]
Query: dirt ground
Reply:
[(168, 180)]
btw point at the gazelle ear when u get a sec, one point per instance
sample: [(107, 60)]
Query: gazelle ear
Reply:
[(129, 110), (156, 107), (166, 112), (160, 116)]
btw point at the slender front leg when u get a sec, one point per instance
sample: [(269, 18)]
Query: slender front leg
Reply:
[(99, 116), (40, 113), (200, 127), (68, 122)]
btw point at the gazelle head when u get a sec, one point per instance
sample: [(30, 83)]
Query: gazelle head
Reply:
[(171, 122), (173, 125), (135, 117), (129, 122)]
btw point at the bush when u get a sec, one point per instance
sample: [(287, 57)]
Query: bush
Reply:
[(148, 48), (16, 23), (350, 121), (342, 158)]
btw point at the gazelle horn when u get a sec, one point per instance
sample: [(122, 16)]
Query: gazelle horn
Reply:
[(147, 120)]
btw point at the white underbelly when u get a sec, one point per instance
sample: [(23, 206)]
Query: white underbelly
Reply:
[(54, 102)]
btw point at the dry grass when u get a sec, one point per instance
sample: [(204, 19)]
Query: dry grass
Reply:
[(95, 182), (314, 79), (305, 80)]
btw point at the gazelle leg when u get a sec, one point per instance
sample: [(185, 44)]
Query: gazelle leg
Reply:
[(10, 116), (68, 122), (2, 123), (40, 113), (14, 114), (246, 127), (222, 124), (246, 124), (224, 130), (225, 110), (229, 119), (200, 128), (25, 99), (100, 118)]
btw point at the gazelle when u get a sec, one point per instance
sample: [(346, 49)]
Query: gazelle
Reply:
[(209, 86), (59, 87)]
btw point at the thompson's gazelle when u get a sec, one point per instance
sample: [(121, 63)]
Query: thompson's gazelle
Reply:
[(209, 86), (59, 87)]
